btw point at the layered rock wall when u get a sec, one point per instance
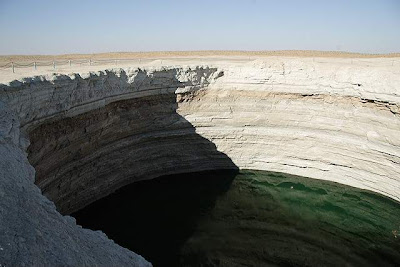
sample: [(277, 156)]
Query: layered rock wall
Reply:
[(32, 232), (336, 121), (90, 134), (81, 159)]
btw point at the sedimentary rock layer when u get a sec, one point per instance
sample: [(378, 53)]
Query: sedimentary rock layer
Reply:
[(337, 122), (340, 139), (32, 232), (81, 159), (93, 133)]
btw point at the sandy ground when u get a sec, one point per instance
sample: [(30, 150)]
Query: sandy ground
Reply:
[(146, 59), (130, 55)]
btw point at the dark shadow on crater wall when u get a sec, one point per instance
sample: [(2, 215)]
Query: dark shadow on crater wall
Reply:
[(84, 158)]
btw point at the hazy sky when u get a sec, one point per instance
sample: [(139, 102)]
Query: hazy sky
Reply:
[(85, 26)]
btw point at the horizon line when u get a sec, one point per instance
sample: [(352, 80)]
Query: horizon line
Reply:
[(294, 52)]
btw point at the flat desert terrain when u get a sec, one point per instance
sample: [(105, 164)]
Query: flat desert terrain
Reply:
[(101, 61), (166, 54)]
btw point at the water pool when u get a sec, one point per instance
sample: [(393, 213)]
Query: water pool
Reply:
[(249, 218)]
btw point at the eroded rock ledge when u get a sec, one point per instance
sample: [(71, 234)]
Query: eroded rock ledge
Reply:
[(93, 133)]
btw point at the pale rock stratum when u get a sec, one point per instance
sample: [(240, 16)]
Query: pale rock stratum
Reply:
[(79, 137)]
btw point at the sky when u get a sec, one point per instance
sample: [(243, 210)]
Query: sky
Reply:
[(93, 26)]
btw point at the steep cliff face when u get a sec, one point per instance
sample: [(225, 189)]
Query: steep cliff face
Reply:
[(115, 128), (80, 159), (93, 133), (336, 121), (341, 139), (32, 232)]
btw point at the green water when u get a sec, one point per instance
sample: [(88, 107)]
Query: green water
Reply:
[(251, 218)]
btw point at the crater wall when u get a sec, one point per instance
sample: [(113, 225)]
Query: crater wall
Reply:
[(88, 134), (337, 122)]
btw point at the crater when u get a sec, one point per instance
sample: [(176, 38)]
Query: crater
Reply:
[(200, 166)]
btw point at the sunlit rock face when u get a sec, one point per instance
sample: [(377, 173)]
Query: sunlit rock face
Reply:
[(87, 135), (340, 139), (332, 121)]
